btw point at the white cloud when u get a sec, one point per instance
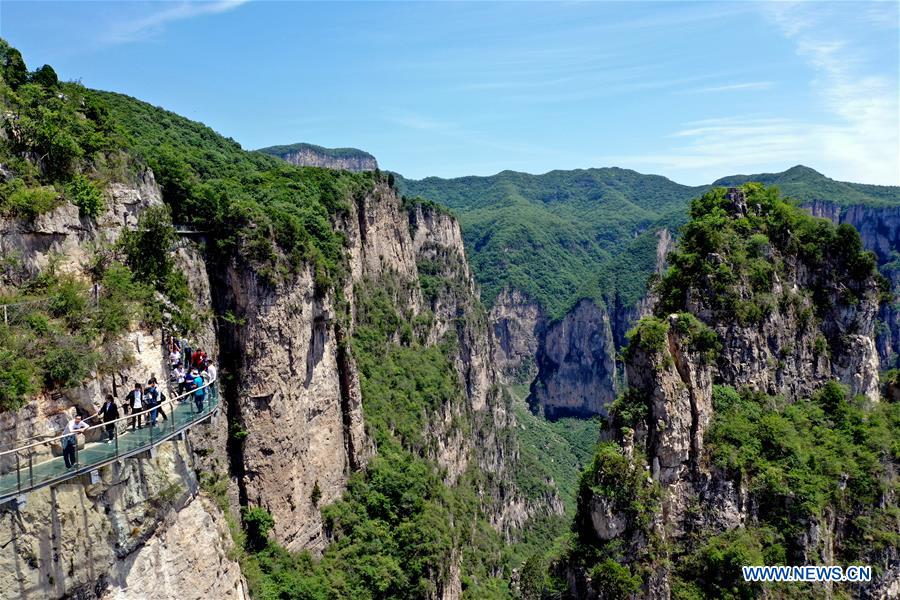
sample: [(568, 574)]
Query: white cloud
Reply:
[(152, 24), (737, 87), (865, 134), (857, 139)]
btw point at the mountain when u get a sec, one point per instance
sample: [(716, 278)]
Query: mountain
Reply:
[(363, 447), (310, 155), (548, 248), (753, 430)]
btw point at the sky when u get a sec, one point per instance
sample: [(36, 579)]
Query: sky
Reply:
[(692, 91)]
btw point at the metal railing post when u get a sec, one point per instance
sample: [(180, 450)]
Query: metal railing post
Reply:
[(117, 440), (31, 470), (18, 474)]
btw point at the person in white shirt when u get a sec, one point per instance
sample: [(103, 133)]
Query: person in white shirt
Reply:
[(210, 374), (134, 404), (70, 441)]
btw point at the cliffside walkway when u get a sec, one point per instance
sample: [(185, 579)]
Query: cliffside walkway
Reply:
[(26, 468)]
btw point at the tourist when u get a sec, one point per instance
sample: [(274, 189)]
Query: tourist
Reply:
[(178, 374), (198, 359), (188, 355), (109, 412), (134, 403), (174, 355), (70, 441), (199, 390), (210, 375), (160, 399), (151, 400)]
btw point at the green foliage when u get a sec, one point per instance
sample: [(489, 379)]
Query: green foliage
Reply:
[(85, 194), (561, 236), (729, 256), (67, 362), (17, 200), (257, 523), (713, 568), (622, 482), (566, 235), (149, 251), (651, 334), (554, 451), (628, 409), (698, 336), (275, 216), (614, 580), (56, 333), (18, 374), (800, 459)]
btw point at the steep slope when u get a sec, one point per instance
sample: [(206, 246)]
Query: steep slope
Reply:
[(310, 155), (362, 422), (541, 243), (752, 431)]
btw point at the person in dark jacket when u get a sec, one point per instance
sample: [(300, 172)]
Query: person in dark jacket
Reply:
[(134, 403), (160, 398), (109, 412)]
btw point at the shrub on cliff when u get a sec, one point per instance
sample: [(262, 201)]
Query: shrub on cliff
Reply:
[(735, 245)]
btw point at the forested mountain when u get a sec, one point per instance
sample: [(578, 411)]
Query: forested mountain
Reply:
[(369, 441), (311, 155), (363, 448), (567, 235)]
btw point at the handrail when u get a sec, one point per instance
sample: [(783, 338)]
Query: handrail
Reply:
[(105, 424), (47, 438)]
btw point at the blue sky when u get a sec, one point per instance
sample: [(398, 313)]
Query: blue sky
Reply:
[(692, 91)]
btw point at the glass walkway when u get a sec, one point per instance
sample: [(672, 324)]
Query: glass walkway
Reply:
[(28, 468)]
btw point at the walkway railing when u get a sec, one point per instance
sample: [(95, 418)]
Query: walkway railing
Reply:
[(25, 468)]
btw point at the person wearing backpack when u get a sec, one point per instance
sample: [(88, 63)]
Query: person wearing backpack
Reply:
[(158, 399)]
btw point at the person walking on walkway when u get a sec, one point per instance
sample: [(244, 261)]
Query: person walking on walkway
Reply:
[(174, 354), (109, 412), (135, 402), (160, 399), (209, 375), (151, 401), (199, 390), (70, 441)]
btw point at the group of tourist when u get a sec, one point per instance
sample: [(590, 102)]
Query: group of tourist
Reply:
[(191, 371)]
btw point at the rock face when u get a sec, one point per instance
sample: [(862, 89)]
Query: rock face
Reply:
[(292, 429), (879, 228), (310, 155), (788, 354), (518, 325), (169, 564), (290, 404), (576, 365), (78, 538), (297, 390), (575, 357)]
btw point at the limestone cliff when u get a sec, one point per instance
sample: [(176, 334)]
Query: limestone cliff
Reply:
[(880, 231), (310, 155), (518, 323), (83, 538), (575, 357), (665, 485), (576, 366)]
